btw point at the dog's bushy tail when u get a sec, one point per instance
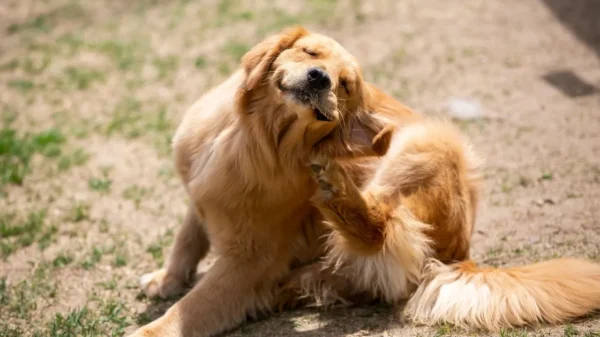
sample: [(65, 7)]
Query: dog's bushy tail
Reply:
[(464, 295)]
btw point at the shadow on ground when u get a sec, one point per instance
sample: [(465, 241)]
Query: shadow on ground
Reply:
[(581, 18), (374, 319)]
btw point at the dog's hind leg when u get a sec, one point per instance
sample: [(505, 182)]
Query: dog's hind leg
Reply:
[(359, 219), (191, 245), (428, 171), (376, 242), (418, 204)]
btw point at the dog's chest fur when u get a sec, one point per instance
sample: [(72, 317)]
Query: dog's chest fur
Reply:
[(243, 196)]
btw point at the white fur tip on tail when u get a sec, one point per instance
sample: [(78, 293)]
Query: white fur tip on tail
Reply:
[(490, 299)]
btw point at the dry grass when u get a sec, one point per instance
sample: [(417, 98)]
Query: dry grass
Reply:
[(91, 91)]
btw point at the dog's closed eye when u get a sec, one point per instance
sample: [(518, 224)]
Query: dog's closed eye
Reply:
[(310, 52), (344, 85)]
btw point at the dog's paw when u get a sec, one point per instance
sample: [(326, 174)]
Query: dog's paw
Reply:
[(329, 176), (160, 284)]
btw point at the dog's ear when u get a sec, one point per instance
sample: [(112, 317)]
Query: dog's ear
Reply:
[(258, 60), (369, 135)]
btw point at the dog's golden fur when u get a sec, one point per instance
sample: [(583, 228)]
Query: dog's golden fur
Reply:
[(332, 193)]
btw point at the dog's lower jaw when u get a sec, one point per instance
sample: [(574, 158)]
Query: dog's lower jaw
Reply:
[(322, 109)]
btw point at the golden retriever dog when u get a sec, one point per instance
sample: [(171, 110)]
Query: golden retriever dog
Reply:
[(312, 186)]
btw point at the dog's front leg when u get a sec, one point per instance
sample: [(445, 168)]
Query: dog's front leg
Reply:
[(191, 245), (230, 291)]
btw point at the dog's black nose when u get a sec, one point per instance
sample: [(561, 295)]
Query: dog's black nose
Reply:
[(318, 79)]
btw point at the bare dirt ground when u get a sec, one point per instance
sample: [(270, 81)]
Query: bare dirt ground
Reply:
[(91, 91)]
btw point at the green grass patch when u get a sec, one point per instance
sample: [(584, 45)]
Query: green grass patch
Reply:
[(109, 285), (79, 78), (48, 236), (126, 55), (91, 261), (135, 193), (156, 251), (48, 142), (76, 158), (16, 234), (156, 248), (224, 68), (444, 330), (32, 64), (231, 11), (200, 62), (10, 331), (10, 228), (132, 120), (126, 116), (278, 20), (79, 212), (22, 85), (236, 49), (62, 259), (142, 319), (166, 65), (71, 42), (38, 24), (513, 333), (109, 319), (100, 184), (15, 155), (45, 22), (570, 331), (35, 64), (9, 115), (16, 152), (159, 121), (20, 299), (9, 65), (103, 226), (120, 260)]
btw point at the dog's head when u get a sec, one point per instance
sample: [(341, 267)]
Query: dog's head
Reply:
[(317, 92)]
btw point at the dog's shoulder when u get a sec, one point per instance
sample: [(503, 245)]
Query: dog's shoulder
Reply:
[(211, 115)]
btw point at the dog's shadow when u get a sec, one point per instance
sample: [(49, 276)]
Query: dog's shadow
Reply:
[(341, 321), (307, 322)]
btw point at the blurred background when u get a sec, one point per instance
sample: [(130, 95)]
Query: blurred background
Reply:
[(91, 92)]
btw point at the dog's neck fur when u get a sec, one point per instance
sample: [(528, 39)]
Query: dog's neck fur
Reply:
[(269, 145), (272, 130)]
